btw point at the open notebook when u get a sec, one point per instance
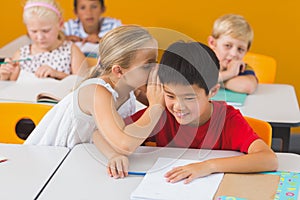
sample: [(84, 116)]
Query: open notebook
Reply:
[(29, 88), (59, 90), (154, 186), (231, 97)]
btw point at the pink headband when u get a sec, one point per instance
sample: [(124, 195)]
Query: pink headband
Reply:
[(42, 4)]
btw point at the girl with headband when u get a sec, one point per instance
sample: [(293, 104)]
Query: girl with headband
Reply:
[(48, 55)]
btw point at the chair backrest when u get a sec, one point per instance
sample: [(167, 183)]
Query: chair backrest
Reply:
[(91, 61), (264, 66), (262, 128), (17, 120)]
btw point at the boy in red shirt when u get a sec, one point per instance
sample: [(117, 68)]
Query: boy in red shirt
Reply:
[(189, 73)]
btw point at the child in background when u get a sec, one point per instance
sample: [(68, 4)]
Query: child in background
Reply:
[(97, 106), (231, 39), (49, 55), (90, 25), (189, 74)]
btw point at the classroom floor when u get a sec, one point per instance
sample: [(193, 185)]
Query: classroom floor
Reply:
[(294, 144)]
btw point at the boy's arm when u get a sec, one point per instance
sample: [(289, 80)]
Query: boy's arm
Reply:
[(244, 84), (259, 158)]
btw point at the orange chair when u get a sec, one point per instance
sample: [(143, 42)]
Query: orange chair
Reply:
[(264, 66), (17, 120), (262, 128)]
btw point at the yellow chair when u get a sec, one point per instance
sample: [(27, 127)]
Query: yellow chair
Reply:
[(17, 120), (91, 61), (264, 66), (262, 128)]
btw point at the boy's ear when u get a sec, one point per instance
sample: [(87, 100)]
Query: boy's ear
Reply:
[(211, 42), (213, 91), (117, 70)]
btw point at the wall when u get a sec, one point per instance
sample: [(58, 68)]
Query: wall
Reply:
[(275, 24)]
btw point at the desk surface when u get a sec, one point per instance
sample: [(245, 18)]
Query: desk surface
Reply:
[(27, 169), (83, 174), (274, 103)]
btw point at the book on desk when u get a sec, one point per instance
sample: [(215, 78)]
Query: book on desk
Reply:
[(219, 186), (231, 97)]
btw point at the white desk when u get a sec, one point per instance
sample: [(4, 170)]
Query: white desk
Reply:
[(83, 174), (276, 104), (27, 169)]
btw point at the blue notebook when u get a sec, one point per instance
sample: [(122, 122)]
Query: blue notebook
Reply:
[(231, 97)]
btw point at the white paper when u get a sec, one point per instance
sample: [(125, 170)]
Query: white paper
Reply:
[(155, 187)]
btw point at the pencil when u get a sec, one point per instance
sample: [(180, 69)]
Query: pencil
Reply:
[(137, 173), (20, 60)]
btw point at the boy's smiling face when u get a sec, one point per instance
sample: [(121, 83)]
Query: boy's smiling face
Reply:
[(189, 104)]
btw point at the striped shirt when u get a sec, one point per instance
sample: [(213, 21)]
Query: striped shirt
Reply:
[(74, 27)]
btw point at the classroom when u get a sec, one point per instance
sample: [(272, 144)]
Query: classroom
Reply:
[(79, 171)]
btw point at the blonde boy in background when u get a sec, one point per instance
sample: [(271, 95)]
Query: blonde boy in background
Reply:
[(231, 38)]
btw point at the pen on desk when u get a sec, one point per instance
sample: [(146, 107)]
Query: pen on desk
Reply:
[(137, 173), (3, 160), (20, 60)]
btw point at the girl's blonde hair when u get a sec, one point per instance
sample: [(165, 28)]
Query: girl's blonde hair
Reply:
[(235, 26), (48, 9), (119, 47)]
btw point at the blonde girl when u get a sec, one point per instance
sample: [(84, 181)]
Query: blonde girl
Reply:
[(97, 107), (49, 55)]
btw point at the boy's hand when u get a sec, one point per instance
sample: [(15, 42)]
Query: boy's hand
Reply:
[(117, 166), (91, 38), (73, 38), (235, 67), (155, 93), (188, 172)]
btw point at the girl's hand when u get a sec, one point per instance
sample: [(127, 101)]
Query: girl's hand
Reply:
[(155, 92), (117, 166), (7, 69), (188, 172), (45, 71)]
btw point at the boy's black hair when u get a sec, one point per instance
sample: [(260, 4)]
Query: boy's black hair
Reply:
[(188, 64), (101, 2)]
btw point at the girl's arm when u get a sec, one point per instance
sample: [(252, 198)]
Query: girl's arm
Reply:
[(259, 158), (125, 139), (79, 64), (117, 165)]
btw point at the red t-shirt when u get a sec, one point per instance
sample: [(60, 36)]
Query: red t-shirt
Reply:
[(225, 130)]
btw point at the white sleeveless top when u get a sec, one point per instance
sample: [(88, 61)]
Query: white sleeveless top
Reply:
[(66, 125), (59, 58)]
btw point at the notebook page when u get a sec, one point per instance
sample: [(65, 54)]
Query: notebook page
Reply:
[(154, 185)]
